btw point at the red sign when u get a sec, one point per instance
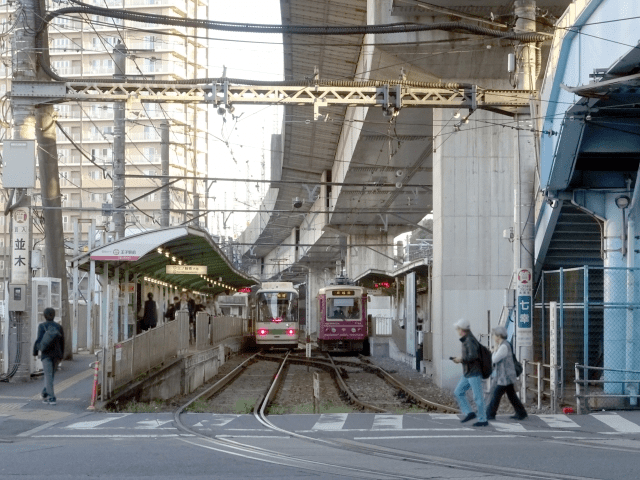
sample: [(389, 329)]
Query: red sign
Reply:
[(383, 285), (244, 290)]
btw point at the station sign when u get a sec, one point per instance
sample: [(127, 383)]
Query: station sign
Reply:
[(186, 269), (20, 245), (524, 298)]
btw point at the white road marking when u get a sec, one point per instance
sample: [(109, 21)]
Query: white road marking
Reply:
[(221, 420), (508, 427), (402, 437), (444, 416), (94, 423), (89, 435), (558, 421), (387, 422), (251, 436), (617, 423), (153, 424), (331, 421), (391, 430)]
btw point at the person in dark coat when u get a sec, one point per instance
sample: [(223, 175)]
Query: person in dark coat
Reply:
[(173, 307), (471, 375), (51, 355), (150, 316)]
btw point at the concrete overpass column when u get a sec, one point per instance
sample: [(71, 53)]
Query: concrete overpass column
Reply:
[(361, 258), (472, 205)]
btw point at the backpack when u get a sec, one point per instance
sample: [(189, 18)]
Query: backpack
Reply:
[(517, 365), (485, 361), (51, 335)]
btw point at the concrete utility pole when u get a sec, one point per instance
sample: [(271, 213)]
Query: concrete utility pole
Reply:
[(164, 159), (52, 197), (119, 114), (524, 171)]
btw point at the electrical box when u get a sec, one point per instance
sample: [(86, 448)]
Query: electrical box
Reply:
[(17, 298), (19, 158)]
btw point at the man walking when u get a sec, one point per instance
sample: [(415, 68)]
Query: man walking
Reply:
[(50, 343), (472, 375)]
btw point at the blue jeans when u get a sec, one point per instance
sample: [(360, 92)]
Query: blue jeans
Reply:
[(49, 366), (475, 383)]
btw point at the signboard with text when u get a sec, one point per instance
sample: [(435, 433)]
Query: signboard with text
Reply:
[(20, 246), (524, 304), (186, 269)]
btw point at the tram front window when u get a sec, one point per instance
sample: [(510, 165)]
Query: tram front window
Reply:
[(343, 309), (278, 307)]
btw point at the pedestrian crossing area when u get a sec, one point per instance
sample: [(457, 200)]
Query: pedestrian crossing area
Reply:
[(415, 425)]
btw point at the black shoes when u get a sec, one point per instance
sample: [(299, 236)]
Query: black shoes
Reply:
[(519, 417), (481, 424), (469, 416)]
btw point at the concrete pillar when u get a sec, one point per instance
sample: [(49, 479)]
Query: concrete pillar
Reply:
[(633, 316), (615, 292), (316, 282), (362, 258), (472, 205)]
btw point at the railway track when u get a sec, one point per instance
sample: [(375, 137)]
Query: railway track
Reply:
[(260, 413)]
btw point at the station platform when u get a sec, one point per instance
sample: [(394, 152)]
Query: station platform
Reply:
[(22, 411)]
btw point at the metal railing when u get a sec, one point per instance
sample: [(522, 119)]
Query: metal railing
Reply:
[(382, 326), (587, 388), (540, 381)]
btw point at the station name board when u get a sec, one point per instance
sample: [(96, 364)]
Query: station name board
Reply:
[(186, 269)]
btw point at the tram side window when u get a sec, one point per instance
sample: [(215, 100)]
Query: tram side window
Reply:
[(343, 308)]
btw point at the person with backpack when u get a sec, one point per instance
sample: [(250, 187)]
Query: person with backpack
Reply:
[(505, 374), (472, 374), (50, 343)]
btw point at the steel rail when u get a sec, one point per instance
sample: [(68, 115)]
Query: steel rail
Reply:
[(353, 446), (423, 402)]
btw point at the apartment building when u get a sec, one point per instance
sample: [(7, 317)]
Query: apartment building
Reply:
[(81, 49)]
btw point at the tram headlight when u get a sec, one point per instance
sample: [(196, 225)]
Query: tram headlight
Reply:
[(333, 330), (353, 330), (291, 332), (262, 331)]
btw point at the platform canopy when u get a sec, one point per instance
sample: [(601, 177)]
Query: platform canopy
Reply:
[(148, 254)]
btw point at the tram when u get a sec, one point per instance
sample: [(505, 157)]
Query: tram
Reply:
[(343, 318), (277, 315)]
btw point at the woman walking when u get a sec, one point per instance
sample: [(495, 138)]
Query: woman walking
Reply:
[(505, 376)]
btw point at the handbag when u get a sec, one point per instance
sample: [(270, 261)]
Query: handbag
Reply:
[(516, 364)]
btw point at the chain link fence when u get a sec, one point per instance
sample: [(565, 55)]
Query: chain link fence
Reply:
[(596, 339)]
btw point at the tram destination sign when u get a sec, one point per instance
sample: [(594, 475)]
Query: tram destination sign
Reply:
[(186, 269)]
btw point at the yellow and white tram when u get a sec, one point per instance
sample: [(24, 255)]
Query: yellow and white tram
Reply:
[(276, 314)]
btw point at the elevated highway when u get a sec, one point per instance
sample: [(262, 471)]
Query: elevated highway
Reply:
[(460, 162)]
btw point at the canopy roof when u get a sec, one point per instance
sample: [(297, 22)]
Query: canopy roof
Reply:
[(148, 254)]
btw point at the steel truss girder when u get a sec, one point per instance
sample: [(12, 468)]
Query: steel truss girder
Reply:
[(321, 96)]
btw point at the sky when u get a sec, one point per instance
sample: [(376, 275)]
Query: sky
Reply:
[(248, 135)]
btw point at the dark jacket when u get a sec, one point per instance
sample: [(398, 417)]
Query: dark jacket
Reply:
[(471, 366), (150, 317), (56, 349)]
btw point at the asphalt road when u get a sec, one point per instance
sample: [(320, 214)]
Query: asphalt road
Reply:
[(604, 445)]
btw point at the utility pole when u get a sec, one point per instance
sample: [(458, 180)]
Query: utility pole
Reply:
[(119, 114), (524, 176), (196, 207), (165, 200)]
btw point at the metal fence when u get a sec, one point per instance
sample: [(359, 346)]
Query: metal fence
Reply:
[(142, 353), (598, 329), (381, 326)]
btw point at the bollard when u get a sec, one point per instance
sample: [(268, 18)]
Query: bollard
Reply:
[(94, 392)]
